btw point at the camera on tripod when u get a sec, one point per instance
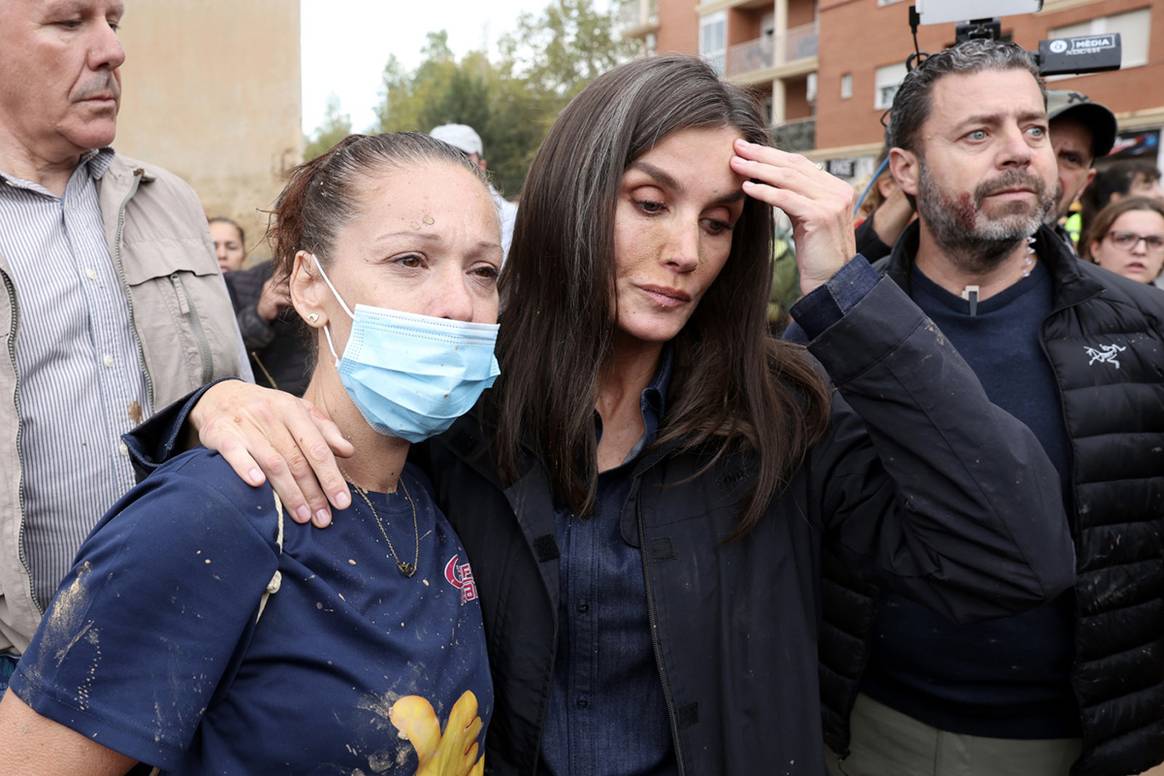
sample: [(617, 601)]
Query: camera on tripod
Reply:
[(1075, 55)]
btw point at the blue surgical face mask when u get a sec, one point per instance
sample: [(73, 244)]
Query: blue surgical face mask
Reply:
[(412, 375)]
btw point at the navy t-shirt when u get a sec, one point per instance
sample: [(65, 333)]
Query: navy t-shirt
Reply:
[(151, 648)]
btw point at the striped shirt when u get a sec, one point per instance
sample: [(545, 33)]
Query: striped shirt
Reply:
[(80, 372)]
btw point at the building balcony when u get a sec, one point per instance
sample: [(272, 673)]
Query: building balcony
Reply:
[(770, 57), (758, 54), (710, 6), (795, 136), (636, 18)]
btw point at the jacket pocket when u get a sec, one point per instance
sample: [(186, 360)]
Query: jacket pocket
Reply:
[(189, 311), (182, 315)]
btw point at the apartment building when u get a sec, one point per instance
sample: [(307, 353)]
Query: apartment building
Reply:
[(769, 46), (212, 93), (826, 70), (661, 26)]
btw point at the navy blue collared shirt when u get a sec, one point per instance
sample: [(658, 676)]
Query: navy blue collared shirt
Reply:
[(607, 712)]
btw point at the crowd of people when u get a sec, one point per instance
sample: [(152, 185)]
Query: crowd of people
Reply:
[(452, 486)]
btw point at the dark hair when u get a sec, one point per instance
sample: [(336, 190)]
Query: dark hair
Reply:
[(1113, 179), (732, 384), (323, 194), (242, 236), (912, 103), (1107, 217)]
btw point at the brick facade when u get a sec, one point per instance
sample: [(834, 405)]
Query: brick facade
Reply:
[(827, 40), (858, 37)]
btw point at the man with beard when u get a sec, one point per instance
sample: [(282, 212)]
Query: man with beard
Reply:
[(111, 304), (1078, 355), (1081, 132)]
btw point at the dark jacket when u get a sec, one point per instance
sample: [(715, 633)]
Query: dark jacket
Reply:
[(1105, 344), (869, 243), (279, 350), (901, 490)]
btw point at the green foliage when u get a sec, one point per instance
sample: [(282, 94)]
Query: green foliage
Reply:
[(785, 289), (566, 47), (335, 127), (513, 98)]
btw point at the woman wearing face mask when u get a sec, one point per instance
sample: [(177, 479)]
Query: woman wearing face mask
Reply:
[(199, 632), (647, 491), (1127, 238)]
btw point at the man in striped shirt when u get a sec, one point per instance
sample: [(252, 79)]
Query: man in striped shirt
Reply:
[(111, 304)]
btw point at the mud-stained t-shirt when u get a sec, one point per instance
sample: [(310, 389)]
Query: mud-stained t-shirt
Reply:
[(151, 647)]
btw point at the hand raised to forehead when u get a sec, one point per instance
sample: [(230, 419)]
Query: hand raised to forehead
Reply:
[(819, 205)]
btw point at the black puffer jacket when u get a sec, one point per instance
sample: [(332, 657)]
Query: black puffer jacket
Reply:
[(1105, 344), (735, 624)]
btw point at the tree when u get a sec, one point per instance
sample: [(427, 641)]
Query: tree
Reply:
[(510, 100), (334, 128), (566, 47)]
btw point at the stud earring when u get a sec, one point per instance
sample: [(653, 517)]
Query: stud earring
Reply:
[(312, 317)]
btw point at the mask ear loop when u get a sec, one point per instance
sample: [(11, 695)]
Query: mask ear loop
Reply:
[(330, 344), (338, 298), (334, 293)]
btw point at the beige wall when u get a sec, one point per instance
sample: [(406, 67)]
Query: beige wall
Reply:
[(212, 93)]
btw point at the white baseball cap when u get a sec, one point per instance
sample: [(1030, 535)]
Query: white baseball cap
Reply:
[(461, 136)]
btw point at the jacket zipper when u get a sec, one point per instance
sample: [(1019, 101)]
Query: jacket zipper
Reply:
[(137, 174), (190, 312), (1072, 523), (651, 619), (20, 551)]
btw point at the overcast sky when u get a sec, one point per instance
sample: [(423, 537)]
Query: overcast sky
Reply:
[(346, 43)]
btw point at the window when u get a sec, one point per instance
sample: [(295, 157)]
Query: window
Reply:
[(885, 84), (1133, 28), (810, 87), (713, 40), (846, 86)]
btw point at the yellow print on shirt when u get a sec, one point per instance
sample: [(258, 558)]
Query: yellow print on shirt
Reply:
[(454, 753)]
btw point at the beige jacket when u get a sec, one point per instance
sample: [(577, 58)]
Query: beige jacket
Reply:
[(158, 240)]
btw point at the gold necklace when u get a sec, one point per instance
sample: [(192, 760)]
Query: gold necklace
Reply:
[(407, 569)]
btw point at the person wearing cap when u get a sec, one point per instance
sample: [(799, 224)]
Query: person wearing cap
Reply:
[(1081, 132), (464, 137)]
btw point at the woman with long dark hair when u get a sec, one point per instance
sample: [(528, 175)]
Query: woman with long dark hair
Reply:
[(646, 492)]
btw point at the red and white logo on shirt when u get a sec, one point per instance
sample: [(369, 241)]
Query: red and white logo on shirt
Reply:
[(460, 576)]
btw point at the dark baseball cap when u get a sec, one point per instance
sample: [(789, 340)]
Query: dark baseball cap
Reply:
[(1098, 119)]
